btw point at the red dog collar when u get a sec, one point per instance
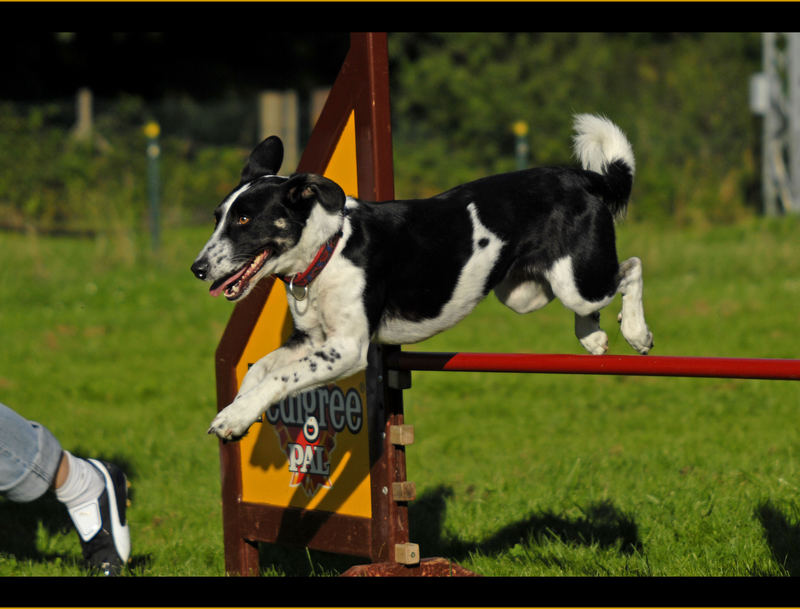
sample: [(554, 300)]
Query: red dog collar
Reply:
[(301, 280)]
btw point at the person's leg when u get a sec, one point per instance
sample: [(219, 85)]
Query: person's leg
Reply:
[(62, 472), (94, 492), (30, 456), (32, 461), (77, 483)]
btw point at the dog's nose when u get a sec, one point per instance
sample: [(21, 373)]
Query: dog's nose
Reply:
[(200, 269)]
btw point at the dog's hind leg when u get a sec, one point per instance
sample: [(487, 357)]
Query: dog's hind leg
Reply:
[(561, 277), (526, 296), (589, 333), (523, 296), (631, 318)]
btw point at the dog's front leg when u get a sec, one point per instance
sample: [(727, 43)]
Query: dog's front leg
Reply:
[(296, 347), (292, 373)]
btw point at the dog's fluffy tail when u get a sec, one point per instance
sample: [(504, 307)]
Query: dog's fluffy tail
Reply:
[(602, 147)]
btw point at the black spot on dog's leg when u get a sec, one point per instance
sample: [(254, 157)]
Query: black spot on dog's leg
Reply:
[(483, 242)]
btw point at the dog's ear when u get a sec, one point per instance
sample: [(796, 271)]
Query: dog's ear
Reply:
[(310, 187), (265, 159)]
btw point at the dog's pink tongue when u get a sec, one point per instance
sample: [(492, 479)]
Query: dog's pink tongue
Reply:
[(218, 290)]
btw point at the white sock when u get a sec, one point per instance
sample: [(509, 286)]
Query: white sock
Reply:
[(79, 493)]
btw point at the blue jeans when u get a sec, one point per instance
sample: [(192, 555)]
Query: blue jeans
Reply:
[(29, 457)]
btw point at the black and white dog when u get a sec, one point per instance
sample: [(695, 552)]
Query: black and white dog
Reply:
[(399, 272)]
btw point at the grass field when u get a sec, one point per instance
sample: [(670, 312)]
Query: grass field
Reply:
[(111, 347)]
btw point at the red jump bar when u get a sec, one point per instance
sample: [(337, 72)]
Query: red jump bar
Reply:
[(633, 365)]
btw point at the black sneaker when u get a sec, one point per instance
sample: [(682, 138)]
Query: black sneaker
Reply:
[(101, 524)]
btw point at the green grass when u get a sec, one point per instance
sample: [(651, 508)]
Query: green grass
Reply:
[(111, 347)]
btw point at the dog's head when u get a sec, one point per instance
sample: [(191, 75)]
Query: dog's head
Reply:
[(268, 224)]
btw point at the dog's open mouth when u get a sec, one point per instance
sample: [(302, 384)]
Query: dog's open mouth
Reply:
[(235, 285)]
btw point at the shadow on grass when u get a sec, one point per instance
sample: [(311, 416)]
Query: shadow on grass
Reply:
[(602, 524), (782, 535), (280, 560), (20, 524)]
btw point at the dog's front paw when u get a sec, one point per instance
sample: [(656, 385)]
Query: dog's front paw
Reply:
[(230, 424)]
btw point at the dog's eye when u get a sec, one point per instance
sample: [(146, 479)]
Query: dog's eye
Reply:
[(243, 220)]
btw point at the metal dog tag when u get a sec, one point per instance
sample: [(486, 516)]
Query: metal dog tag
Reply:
[(298, 292)]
